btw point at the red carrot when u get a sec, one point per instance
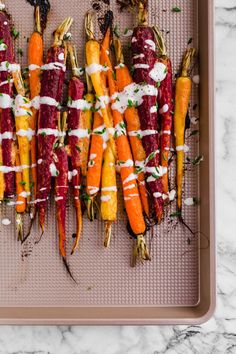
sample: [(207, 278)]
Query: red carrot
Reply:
[(6, 95), (76, 134), (165, 106), (149, 72), (50, 96)]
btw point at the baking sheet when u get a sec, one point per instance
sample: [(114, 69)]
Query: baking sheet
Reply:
[(34, 276)]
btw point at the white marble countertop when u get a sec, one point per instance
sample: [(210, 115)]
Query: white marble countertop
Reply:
[(219, 334)]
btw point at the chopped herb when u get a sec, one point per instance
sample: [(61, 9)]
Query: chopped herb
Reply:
[(89, 131), (122, 125), (190, 40), (117, 99), (25, 100), (121, 162), (100, 132), (139, 136), (56, 145), (136, 90), (126, 30), (57, 173), (1, 94), (69, 100), (116, 31), (151, 156), (9, 79), (31, 185), (176, 9), (85, 196), (114, 75), (132, 69), (158, 84), (15, 33), (155, 176), (23, 183), (77, 148), (7, 64), (43, 133), (1, 41), (176, 214), (130, 103)]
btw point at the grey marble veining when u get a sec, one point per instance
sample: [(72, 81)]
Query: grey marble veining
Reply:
[(219, 334)]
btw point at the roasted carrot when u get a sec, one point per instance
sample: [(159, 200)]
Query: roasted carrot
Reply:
[(22, 114), (21, 198), (2, 182), (94, 69), (77, 133), (61, 183), (87, 123), (35, 58), (95, 162), (125, 161), (50, 95), (132, 120), (165, 106), (108, 192), (182, 97), (7, 67)]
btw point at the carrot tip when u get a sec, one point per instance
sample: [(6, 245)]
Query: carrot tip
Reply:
[(107, 239), (19, 227), (68, 269), (140, 251)]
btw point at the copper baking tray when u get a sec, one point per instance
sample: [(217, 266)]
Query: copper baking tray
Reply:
[(178, 285)]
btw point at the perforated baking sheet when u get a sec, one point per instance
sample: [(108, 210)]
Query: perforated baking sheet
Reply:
[(33, 275)]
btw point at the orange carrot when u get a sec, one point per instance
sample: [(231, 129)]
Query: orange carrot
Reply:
[(35, 55), (124, 79), (182, 96), (125, 161), (21, 200)]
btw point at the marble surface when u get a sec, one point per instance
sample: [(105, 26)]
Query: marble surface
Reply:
[(219, 334)]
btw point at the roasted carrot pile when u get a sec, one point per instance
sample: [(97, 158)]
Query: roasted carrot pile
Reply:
[(117, 124)]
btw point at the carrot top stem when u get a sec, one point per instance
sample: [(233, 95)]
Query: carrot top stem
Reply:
[(189, 54), (61, 30), (19, 227), (140, 250), (73, 59), (38, 27), (160, 41), (89, 30), (142, 13), (118, 50)]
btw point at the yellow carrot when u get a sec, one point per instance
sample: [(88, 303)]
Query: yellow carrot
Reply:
[(108, 192), (94, 70), (182, 97)]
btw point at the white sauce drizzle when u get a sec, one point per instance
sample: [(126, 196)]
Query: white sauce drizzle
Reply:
[(127, 163), (159, 72), (153, 109), (131, 186), (29, 133), (80, 104), (151, 44), (7, 82), (79, 133), (93, 68), (189, 201), (58, 198), (54, 66), (92, 190), (6, 221), (53, 170), (3, 47), (5, 101), (119, 66), (141, 66), (105, 198), (33, 67), (132, 93), (164, 109), (139, 56), (48, 101), (109, 189), (6, 66)]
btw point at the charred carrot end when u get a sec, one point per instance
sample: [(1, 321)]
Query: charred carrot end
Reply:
[(79, 227), (61, 31), (182, 97), (140, 251)]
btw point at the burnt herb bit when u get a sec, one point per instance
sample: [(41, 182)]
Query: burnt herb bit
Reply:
[(194, 106), (176, 214), (197, 160), (20, 52), (190, 40), (196, 201), (15, 33), (194, 132), (176, 9)]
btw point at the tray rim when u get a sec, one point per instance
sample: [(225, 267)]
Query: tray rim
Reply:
[(19, 316)]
